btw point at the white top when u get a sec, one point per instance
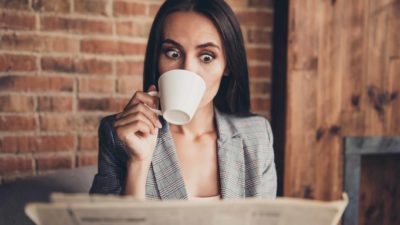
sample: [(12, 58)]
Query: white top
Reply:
[(211, 198)]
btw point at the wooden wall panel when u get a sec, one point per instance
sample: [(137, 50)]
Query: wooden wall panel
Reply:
[(377, 67), (352, 66), (379, 191), (393, 122), (343, 80), (306, 120), (304, 65)]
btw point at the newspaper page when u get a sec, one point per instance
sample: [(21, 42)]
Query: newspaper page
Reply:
[(111, 210)]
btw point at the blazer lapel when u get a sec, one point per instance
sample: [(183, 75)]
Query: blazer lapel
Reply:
[(230, 159), (169, 180), (167, 174)]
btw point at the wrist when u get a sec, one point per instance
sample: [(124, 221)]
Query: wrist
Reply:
[(138, 162), (137, 171)]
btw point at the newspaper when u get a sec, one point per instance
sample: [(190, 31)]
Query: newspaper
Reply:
[(81, 209)]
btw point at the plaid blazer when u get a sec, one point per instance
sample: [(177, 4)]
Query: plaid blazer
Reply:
[(245, 161)]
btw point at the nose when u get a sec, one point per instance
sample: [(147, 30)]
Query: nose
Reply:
[(190, 63)]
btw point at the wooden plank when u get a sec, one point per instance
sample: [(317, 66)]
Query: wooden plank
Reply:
[(393, 84), (354, 47), (301, 101), (328, 149), (381, 5), (303, 43), (393, 38), (380, 190), (393, 123), (378, 65), (300, 147)]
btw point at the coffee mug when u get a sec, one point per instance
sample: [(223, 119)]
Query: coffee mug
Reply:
[(180, 93)]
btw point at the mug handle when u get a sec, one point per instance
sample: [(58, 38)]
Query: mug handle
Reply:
[(154, 93)]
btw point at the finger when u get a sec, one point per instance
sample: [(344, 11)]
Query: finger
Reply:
[(124, 132), (152, 116), (137, 116), (142, 97), (152, 88)]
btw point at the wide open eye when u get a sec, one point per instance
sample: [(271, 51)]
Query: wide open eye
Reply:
[(172, 54), (207, 58)]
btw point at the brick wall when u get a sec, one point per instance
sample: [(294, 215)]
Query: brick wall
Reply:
[(64, 64)]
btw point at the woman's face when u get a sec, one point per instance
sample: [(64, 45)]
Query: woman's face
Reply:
[(192, 42)]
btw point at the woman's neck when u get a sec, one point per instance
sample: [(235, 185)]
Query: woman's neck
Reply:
[(201, 123)]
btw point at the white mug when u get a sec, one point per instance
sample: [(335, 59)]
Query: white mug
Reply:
[(180, 93)]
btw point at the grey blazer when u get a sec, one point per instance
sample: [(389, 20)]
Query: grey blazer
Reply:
[(245, 161)]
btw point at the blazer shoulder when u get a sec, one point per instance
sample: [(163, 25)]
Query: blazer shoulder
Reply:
[(106, 131), (107, 121), (250, 125)]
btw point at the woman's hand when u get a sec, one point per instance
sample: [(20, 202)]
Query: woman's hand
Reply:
[(137, 126)]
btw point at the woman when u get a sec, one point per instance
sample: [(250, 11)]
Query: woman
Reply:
[(224, 151)]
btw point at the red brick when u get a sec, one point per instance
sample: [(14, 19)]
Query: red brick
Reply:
[(92, 104), (58, 44), (260, 71), (17, 123), (54, 162), (79, 26), (260, 104), (17, 63), (16, 21), (134, 28), (129, 84), (16, 103), (55, 104), (123, 8), (259, 36), (87, 159), (96, 7), (130, 68), (36, 83), (15, 164), (260, 87), (102, 104), (237, 3), (112, 47), (96, 85), (43, 143), (57, 122), (259, 54), (14, 4), (153, 9), (261, 3), (68, 65), (255, 18), (39, 43), (88, 143), (62, 6), (89, 123), (19, 42)]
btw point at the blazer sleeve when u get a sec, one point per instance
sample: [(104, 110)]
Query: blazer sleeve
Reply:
[(269, 171), (111, 173)]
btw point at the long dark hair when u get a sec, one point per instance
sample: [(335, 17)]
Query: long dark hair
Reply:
[(233, 96)]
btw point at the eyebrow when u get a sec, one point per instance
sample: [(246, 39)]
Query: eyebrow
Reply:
[(208, 44)]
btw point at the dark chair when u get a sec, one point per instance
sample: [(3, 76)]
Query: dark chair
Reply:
[(15, 195)]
